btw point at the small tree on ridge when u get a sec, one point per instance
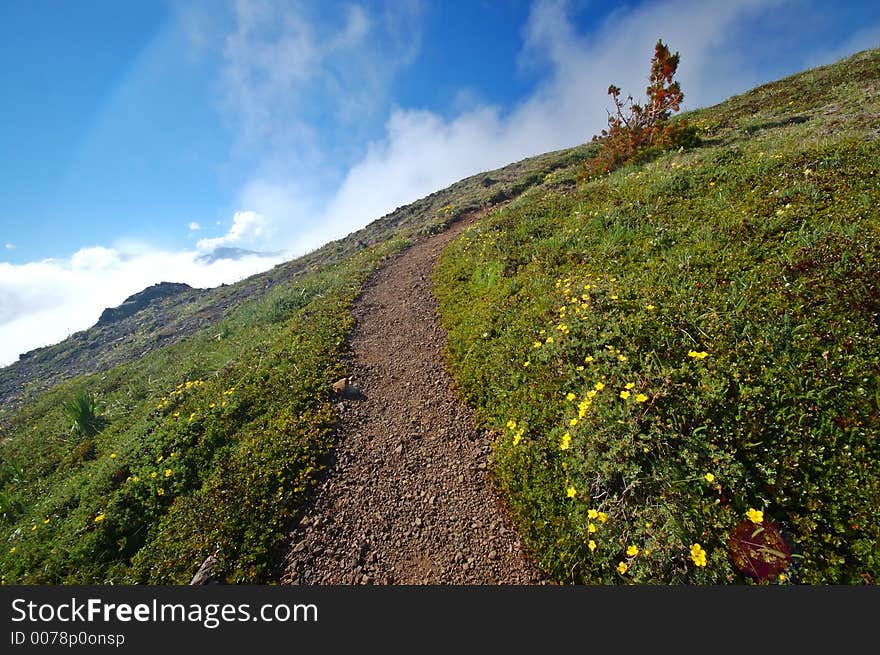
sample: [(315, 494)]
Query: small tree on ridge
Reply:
[(634, 127)]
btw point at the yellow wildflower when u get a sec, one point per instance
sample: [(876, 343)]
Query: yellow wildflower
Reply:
[(602, 517), (517, 436), (622, 568), (599, 386), (153, 475), (640, 398), (537, 344), (591, 528), (526, 364), (112, 455), (12, 550), (588, 359), (621, 358), (632, 551), (624, 394), (569, 396), (168, 473), (566, 441), (650, 307), (592, 514), (698, 555), (571, 492), (99, 518), (160, 491), (698, 355), (511, 424), (160, 458), (629, 385), (549, 339), (591, 545), (709, 477), (755, 515), (573, 422)]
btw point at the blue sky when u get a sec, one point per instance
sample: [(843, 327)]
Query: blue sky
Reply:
[(136, 136)]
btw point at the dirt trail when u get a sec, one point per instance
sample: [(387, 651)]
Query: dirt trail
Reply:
[(407, 499)]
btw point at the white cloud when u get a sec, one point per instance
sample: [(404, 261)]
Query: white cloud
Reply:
[(44, 302), (287, 70), (194, 226), (421, 152), (249, 229), (10, 246), (96, 258)]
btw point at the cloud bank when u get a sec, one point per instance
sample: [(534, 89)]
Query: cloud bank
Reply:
[(44, 302)]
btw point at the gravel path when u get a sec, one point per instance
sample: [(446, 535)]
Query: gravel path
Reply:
[(407, 499)]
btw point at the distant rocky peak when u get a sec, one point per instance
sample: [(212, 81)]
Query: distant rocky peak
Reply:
[(142, 299)]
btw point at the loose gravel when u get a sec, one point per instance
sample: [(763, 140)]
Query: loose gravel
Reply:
[(407, 499)]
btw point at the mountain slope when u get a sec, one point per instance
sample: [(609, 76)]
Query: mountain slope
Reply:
[(701, 325), (166, 321), (680, 359), (218, 409)]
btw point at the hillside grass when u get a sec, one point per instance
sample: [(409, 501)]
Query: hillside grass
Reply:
[(670, 349), (211, 447), (212, 443)]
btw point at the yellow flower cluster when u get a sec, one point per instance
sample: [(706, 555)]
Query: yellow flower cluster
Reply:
[(698, 555), (517, 434), (698, 355), (755, 515), (180, 390)]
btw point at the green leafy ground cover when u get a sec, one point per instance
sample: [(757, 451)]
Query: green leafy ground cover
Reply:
[(210, 447), (681, 359)]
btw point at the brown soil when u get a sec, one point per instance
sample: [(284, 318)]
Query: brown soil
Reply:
[(407, 499)]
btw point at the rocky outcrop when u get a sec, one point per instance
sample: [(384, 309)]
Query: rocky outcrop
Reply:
[(141, 300)]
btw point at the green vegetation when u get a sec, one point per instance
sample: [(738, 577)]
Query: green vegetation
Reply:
[(85, 418), (210, 446), (217, 412), (682, 356), (679, 358), (643, 130)]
